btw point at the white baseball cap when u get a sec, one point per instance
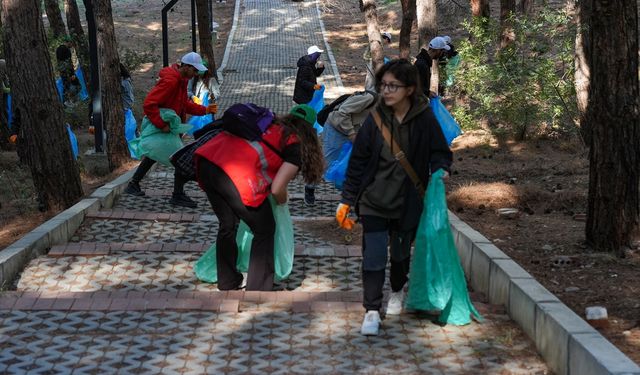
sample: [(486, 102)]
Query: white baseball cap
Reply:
[(194, 60), (387, 35), (439, 43), (313, 49)]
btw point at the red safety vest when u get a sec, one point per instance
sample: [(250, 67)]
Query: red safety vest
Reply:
[(251, 166)]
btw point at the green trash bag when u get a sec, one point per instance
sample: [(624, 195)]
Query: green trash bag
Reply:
[(436, 279), (450, 70), (154, 143), (206, 267)]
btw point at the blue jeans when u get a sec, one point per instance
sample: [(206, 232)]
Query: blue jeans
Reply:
[(332, 142)]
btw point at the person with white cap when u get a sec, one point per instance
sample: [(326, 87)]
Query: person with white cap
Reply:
[(437, 48), (171, 92), (369, 80)]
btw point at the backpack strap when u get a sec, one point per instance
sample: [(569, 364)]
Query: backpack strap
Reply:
[(397, 153)]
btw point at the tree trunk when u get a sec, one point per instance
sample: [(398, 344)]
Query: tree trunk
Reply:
[(507, 10), (525, 7), (613, 115), (79, 40), (204, 34), (582, 74), (480, 8), (408, 16), (427, 24), (369, 8), (48, 151), (110, 85), (54, 16)]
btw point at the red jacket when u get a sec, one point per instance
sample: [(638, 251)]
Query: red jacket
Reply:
[(170, 92), (251, 166)]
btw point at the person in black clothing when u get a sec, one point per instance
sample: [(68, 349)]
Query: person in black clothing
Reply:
[(380, 190), (437, 48), (66, 69), (309, 68)]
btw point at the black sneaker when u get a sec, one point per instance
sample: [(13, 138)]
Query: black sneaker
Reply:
[(309, 196), (134, 189), (182, 200)]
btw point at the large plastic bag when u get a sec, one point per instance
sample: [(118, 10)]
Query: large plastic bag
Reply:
[(9, 112), (448, 124), (154, 143), (83, 85), (198, 122), (130, 128), (74, 142), (206, 267), (450, 70), (317, 103), (337, 170), (60, 89), (437, 280)]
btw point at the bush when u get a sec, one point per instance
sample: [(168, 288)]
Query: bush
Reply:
[(525, 88)]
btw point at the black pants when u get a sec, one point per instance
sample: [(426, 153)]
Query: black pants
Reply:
[(377, 233), (178, 180), (228, 207)]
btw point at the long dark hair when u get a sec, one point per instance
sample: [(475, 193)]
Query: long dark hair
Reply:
[(312, 167), (404, 72)]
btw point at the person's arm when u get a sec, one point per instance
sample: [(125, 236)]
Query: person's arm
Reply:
[(425, 75), (285, 174), (360, 156), (342, 119)]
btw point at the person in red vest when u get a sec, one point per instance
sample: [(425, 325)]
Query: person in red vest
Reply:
[(171, 92), (238, 175)]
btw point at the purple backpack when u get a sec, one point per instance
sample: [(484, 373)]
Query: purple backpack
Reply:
[(247, 120)]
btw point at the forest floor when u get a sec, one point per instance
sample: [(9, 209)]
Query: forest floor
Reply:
[(546, 180)]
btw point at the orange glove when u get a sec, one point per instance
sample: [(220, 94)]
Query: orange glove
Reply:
[(13, 139), (92, 130), (316, 87), (196, 100), (342, 216), (212, 108)]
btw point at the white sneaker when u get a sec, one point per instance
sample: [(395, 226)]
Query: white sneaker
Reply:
[(394, 306), (370, 324)]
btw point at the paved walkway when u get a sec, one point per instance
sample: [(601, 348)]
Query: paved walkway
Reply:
[(121, 296)]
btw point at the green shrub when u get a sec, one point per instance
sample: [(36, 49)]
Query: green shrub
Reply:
[(525, 88)]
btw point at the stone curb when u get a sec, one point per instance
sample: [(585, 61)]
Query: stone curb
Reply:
[(568, 344)]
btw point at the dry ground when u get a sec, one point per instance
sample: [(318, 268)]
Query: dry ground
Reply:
[(545, 180)]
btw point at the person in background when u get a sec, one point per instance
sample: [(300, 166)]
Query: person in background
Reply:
[(127, 87), (171, 92), (447, 65), (370, 81), (437, 48), (205, 83), (310, 67), (64, 59), (238, 175), (386, 200)]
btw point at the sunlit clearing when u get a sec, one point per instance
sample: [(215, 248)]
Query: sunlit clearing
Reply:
[(154, 26), (496, 194)]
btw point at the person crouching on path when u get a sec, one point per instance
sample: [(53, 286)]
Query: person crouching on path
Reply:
[(238, 175), (386, 200), (171, 92)]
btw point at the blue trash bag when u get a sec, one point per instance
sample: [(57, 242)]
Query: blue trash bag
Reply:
[(448, 124), (206, 267), (74, 142), (337, 171), (9, 111), (198, 122), (437, 280), (83, 85), (60, 88), (317, 103), (130, 128)]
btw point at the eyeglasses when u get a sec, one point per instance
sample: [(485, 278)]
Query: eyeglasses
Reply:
[(392, 87)]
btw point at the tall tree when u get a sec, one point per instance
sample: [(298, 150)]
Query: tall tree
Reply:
[(507, 10), (427, 24), (77, 33), (408, 16), (370, 10), (204, 33), (613, 117), (48, 151), (480, 8), (110, 85), (52, 8), (525, 6)]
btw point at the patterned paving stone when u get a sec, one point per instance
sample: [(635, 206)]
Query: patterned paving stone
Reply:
[(154, 272), (255, 342)]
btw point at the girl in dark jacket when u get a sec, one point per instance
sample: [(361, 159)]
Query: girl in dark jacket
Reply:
[(379, 188), (309, 68)]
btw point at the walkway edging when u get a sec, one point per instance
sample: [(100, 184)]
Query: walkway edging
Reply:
[(568, 344)]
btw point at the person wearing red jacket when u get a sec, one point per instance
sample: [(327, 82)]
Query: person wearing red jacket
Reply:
[(171, 92)]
